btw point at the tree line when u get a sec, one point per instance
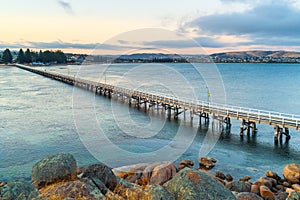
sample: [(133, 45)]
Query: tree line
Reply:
[(32, 56)]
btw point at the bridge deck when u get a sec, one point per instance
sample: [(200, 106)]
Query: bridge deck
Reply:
[(248, 114)]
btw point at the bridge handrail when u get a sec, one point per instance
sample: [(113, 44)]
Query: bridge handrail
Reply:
[(186, 101)]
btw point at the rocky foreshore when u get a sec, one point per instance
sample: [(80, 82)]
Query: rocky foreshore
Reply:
[(58, 177)]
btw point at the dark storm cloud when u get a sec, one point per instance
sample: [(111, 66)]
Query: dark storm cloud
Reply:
[(265, 21)]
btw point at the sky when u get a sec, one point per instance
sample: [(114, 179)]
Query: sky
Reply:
[(118, 27)]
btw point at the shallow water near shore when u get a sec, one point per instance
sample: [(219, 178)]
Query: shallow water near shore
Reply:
[(37, 120)]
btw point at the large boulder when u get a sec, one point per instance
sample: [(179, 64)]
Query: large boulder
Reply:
[(239, 186), (147, 173), (132, 191), (193, 185), (101, 172), (54, 168), (20, 190), (77, 189), (291, 173), (248, 196)]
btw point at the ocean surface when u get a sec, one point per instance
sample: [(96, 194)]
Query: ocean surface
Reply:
[(40, 116)]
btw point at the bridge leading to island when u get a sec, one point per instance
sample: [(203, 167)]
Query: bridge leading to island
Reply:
[(175, 106)]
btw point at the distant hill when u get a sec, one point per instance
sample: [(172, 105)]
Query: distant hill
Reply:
[(247, 54)]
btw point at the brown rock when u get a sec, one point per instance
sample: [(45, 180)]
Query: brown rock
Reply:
[(286, 184), (185, 163), (207, 163), (269, 182), (274, 189), (248, 196), (291, 173), (272, 174), (266, 193), (281, 196), (280, 187), (289, 190), (220, 175), (255, 189), (257, 183), (2, 184), (162, 173), (246, 178), (296, 187), (228, 177), (147, 173)]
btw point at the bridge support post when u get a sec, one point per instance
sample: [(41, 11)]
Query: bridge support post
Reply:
[(191, 115), (176, 112), (276, 134), (169, 112), (287, 133)]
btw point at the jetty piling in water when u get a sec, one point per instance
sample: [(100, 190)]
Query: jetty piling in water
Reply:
[(223, 113)]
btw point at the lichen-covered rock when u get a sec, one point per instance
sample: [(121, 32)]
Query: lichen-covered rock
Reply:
[(112, 196), (207, 163), (291, 173), (248, 196), (78, 189), (54, 168), (185, 163), (132, 191), (101, 172), (193, 185), (239, 186), (20, 190)]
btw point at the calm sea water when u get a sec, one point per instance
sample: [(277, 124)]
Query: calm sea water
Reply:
[(37, 116)]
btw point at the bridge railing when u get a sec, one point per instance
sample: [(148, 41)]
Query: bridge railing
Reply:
[(186, 102)]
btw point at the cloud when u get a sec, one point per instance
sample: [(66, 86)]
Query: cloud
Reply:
[(62, 45), (66, 6), (275, 22), (196, 42)]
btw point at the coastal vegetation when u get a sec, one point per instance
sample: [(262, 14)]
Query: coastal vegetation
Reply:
[(41, 57)]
